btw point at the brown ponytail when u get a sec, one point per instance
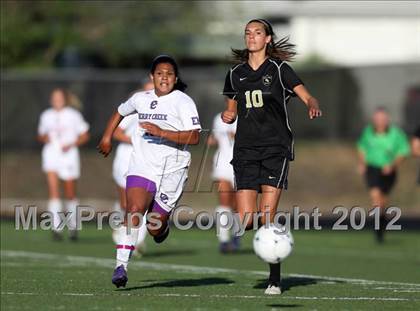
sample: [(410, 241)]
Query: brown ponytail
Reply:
[(281, 49)]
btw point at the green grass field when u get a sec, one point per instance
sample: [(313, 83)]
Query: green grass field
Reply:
[(326, 271)]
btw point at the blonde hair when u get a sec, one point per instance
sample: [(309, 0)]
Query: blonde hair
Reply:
[(70, 98), (74, 101)]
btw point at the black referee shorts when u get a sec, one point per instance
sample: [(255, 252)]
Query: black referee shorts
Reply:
[(252, 174), (376, 179)]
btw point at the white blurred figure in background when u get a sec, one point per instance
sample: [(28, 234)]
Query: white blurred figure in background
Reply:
[(62, 130), (120, 164), (223, 135)]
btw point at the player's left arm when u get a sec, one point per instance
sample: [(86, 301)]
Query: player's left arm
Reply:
[(81, 140), (415, 146), (402, 150), (180, 137), (311, 102)]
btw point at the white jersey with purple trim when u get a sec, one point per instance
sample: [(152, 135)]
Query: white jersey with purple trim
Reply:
[(63, 127), (153, 156), (224, 134), (123, 152)]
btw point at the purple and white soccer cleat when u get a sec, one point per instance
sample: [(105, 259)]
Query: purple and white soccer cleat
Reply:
[(119, 278)]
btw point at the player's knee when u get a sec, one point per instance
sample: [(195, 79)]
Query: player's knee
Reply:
[(134, 208)]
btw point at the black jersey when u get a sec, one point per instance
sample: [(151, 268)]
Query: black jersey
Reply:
[(262, 97)]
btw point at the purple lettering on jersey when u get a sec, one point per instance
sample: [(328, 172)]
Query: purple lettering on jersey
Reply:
[(160, 116), (155, 116), (153, 104), (195, 121), (144, 116)]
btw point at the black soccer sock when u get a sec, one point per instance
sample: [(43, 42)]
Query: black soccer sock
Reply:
[(274, 272)]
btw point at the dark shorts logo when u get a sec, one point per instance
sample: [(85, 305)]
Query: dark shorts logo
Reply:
[(153, 104), (164, 198), (195, 121), (267, 79)]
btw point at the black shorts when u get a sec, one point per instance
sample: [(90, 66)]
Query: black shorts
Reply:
[(375, 179), (251, 174)]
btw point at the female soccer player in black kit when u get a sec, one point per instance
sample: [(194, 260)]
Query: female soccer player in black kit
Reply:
[(257, 90)]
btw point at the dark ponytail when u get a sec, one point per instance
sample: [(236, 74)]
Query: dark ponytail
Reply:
[(179, 84), (281, 49)]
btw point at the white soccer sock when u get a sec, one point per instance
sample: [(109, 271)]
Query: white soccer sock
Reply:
[(125, 245), (54, 207), (223, 229), (71, 207), (117, 208), (142, 232)]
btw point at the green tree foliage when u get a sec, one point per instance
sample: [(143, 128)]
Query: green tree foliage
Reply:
[(123, 33)]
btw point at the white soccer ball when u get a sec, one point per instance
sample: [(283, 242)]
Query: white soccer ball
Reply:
[(273, 243)]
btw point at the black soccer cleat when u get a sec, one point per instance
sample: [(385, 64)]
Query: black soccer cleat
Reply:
[(73, 236), (57, 236)]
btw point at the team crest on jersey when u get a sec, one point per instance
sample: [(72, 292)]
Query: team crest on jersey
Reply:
[(153, 104), (164, 198), (195, 120), (267, 79)]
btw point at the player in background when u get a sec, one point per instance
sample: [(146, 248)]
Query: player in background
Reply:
[(381, 147), (123, 134), (222, 136), (415, 147), (62, 130), (258, 89), (168, 124)]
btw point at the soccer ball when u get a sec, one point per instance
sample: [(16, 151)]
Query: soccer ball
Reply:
[(273, 243)]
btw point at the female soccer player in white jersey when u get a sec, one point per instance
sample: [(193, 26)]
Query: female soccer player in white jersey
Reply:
[(62, 130), (168, 123), (258, 89), (223, 135), (123, 134)]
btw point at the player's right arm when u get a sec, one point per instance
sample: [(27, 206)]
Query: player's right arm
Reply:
[(125, 109), (105, 145), (43, 139), (361, 151), (230, 114), (42, 136)]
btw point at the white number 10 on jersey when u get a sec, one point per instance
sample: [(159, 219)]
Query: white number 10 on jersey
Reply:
[(254, 99)]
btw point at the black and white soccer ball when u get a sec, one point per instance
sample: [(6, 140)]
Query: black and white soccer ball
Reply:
[(273, 243)]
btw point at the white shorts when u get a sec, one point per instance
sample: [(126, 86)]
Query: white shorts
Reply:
[(222, 169), (65, 164), (167, 188), (121, 163)]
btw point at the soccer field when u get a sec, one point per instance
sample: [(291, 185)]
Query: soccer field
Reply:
[(326, 271)]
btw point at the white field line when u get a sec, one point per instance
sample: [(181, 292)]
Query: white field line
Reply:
[(109, 263), (224, 296)]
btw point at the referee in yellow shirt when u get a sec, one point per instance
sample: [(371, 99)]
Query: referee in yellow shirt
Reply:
[(382, 147)]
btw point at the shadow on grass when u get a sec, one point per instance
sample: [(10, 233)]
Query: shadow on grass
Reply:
[(183, 283), (242, 251), (171, 252), (289, 282), (283, 305)]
